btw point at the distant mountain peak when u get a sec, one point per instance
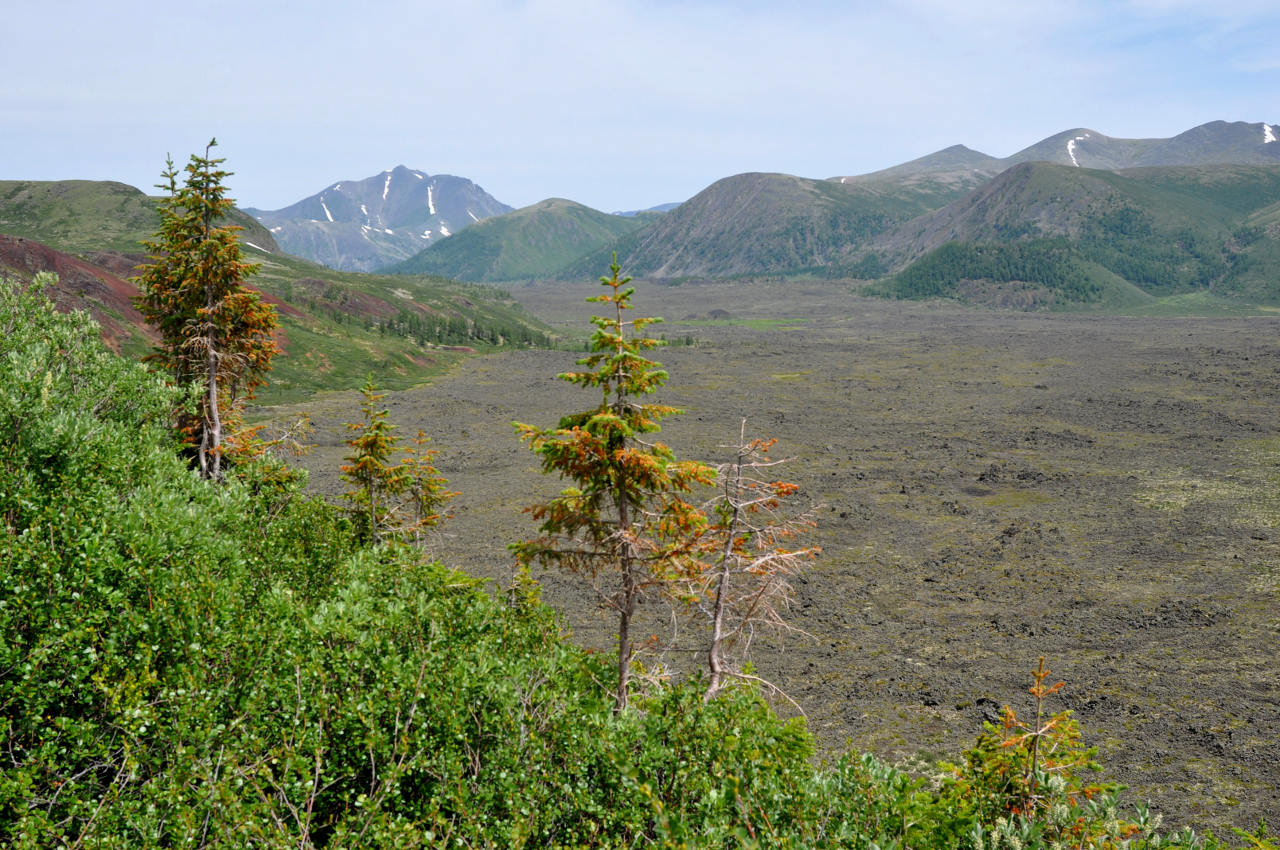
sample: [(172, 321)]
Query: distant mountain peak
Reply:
[(362, 225)]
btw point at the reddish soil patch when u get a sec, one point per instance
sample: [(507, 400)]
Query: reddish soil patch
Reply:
[(81, 286)]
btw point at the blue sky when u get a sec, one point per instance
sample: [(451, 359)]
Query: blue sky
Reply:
[(617, 104)]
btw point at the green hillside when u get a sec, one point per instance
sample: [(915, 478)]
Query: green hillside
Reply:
[(338, 327), (342, 326), (1062, 230), (80, 216), (534, 242)]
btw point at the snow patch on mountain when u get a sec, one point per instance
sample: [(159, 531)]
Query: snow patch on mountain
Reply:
[(1071, 149), (431, 203), (1268, 134), (386, 187), (473, 215), (426, 234), (418, 174), (364, 210), (328, 214), (259, 247), (444, 231)]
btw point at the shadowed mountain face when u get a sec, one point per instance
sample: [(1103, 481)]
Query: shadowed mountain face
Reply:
[(1215, 143), (765, 224), (362, 225)]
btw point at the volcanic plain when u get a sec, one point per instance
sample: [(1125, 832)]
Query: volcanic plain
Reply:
[(992, 487)]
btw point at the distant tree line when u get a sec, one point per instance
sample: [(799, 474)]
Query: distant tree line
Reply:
[(426, 329)]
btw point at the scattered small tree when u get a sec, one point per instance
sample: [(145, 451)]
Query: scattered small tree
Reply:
[(214, 332), (389, 500), (747, 585), (425, 494), (625, 522)]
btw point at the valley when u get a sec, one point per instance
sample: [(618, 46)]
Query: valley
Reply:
[(994, 486)]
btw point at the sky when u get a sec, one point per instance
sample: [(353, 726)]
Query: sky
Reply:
[(617, 104)]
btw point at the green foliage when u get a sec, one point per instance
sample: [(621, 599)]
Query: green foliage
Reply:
[(625, 515)]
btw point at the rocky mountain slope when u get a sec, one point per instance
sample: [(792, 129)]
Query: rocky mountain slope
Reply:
[(764, 224), (363, 225)]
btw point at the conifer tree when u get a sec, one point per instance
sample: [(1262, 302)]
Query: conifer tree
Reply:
[(214, 332), (746, 584), (390, 500), (624, 522)]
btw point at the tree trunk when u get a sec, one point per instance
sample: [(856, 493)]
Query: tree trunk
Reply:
[(213, 420), (627, 608), (715, 652)]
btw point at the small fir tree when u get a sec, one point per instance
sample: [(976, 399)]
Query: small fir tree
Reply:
[(390, 500), (624, 522), (425, 493), (214, 332)]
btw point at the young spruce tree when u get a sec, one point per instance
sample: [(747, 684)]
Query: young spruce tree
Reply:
[(624, 522), (390, 500), (214, 332)]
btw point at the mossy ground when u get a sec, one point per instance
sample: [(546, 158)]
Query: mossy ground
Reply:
[(994, 487)]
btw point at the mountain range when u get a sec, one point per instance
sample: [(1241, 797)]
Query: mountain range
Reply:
[(536, 241), (1076, 218), (1132, 217)]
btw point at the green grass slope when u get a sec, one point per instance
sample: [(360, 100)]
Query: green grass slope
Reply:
[(341, 326), (336, 327), (79, 216), (534, 242)]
